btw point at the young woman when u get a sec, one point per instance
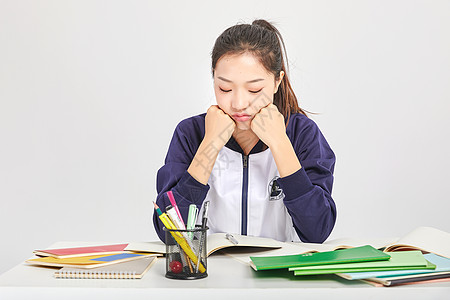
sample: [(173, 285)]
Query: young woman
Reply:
[(263, 165)]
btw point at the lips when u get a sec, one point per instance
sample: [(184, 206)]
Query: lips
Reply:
[(241, 117)]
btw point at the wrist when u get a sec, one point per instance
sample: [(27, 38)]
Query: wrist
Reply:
[(285, 157), (211, 145), (203, 161), (280, 143)]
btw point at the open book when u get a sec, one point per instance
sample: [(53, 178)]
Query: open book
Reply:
[(425, 239), (215, 242)]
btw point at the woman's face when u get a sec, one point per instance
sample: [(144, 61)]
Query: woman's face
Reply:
[(242, 87)]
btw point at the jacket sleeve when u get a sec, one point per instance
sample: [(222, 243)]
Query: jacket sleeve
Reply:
[(308, 191), (173, 175)]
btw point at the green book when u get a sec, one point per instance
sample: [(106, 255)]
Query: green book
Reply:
[(399, 261), (357, 254)]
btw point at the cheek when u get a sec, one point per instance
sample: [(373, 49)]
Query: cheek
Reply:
[(262, 100), (222, 102), (266, 97)]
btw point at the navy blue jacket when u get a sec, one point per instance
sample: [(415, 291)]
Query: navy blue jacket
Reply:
[(307, 192)]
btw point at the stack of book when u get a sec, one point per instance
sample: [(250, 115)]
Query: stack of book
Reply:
[(421, 256), (99, 262)]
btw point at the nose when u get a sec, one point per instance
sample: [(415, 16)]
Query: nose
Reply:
[(240, 102)]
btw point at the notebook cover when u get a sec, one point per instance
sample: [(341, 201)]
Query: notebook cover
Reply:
[(390, 281), (357, 254), (398, 259), (365, 269)]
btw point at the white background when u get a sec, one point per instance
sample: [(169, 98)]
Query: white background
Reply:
[(91, 91)]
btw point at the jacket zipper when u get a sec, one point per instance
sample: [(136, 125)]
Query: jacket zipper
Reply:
[(244, 195)]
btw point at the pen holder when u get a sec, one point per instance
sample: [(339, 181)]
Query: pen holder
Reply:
[(186, 253)]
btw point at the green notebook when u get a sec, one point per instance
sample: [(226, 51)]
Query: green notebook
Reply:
[(357, 254), (399, 261)]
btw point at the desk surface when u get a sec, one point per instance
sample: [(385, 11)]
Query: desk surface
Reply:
[(227, 278)]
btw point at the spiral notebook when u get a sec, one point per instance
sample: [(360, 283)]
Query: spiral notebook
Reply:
[(134, 269)]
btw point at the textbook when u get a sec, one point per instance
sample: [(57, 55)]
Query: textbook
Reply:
[(398, 261), (134, 269), (81, 251), (357, 254), (87, 262), (215, 242)]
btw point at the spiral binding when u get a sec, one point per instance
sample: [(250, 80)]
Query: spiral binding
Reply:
[(89, 274)]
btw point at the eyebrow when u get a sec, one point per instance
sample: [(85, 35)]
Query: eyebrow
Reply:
[(251, 81)]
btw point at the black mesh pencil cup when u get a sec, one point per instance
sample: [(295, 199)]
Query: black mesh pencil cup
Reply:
[(186, 253)]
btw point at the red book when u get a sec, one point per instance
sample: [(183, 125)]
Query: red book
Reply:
[(82, 251)]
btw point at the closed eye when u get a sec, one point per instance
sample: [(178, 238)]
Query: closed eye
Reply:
[(254, 92)]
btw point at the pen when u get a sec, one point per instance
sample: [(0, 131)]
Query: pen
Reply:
[(192, 217), (179, 239), (231, 238), (204, 220), (174, 204), (205, 214)]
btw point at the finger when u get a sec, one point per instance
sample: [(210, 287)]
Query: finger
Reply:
[(270, 110), (212, 108), (272, 106)]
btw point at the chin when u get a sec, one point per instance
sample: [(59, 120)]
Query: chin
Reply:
[(243, 126)]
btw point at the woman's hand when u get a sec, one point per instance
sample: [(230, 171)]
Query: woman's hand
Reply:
[(268, 125), (218, 129), (218, 126)]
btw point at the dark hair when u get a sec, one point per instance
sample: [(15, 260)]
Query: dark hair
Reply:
[(264, 41)]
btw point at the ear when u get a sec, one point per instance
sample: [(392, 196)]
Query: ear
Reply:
[(277, 84)]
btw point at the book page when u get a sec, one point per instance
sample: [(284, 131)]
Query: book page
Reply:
[(152, 247), (243, 255), (217, 241), (377, 243), (426, 239), (291, 248)]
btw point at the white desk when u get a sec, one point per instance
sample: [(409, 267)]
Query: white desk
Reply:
[(226, 278)]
